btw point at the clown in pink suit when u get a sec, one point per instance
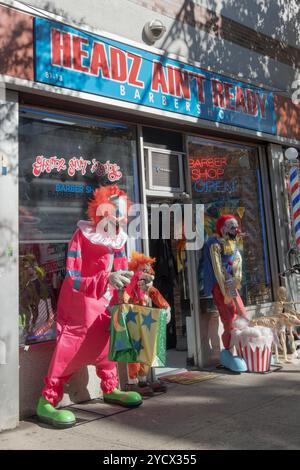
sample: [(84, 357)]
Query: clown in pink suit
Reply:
[(96, 268)]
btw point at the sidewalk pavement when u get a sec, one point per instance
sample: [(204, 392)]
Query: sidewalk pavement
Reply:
[(247, 411)]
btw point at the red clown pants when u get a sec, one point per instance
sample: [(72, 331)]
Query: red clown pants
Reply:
[(76, 348), (228, 312)]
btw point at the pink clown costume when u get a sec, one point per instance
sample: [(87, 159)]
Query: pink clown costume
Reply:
[(82, 316), (96, 271)]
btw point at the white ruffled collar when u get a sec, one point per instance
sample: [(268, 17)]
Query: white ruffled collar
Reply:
[(98, 238)]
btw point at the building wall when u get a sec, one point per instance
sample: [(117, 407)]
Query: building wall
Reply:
[(16, 43), (215, 33), (281, 218), (274, 18), (288, 117), (251, 40), (84, 385), (9, 299), (222, 37)]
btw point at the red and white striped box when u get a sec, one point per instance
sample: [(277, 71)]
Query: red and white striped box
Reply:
[(258, 359)]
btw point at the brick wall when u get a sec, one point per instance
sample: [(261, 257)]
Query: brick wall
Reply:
[(16, 43), (288, 118), (201, 18), (16, 47)]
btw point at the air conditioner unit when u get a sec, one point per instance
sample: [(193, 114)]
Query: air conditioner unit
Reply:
[(164, 171)]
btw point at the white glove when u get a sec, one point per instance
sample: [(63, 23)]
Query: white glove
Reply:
[(230, 287), (168, 319), (145, 282), (120, 279), (167, 311)]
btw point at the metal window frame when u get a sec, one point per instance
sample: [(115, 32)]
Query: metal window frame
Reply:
[(145, 193), (271, 243), (143, 189), (268, 215)]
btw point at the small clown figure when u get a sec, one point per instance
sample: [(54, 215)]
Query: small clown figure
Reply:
[(141, 292), (96, 269), (222, 279)]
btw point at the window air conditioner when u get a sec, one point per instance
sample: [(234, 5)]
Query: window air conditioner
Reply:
[(164, 171)]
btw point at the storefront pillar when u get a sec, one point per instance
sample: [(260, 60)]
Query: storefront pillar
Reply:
[(280, 197), (9, 299)]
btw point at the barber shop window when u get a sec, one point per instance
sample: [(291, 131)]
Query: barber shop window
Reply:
[(226, 178), (63, 158)]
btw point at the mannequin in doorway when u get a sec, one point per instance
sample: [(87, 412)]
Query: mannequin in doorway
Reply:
[(166, 278), (138, 373), (222, 279)]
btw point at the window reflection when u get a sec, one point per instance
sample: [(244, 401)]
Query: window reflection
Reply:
[(226, 179), (62, 160)]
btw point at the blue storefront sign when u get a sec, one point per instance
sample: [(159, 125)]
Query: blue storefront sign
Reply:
[(81, 61)]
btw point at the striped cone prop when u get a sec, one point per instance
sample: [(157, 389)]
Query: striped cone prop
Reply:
[(258, 359), (253, 344), (295, 202)]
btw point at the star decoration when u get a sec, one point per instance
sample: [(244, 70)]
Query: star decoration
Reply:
[(131, 316), (120, 345), (221, 114), (148, 320), (137, 345)]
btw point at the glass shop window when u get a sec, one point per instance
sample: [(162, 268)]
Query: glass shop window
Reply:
[(226, 179), (63, 158)]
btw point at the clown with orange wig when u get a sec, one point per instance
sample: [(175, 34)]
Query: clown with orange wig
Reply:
[(141, 293), (96, 269)]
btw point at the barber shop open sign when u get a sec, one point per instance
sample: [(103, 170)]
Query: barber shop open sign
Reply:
[(70, 58)]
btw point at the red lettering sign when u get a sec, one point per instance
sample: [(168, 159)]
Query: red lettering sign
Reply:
[(229, 96), (210, 168), (76, 165), (218, 94), (79, 54), (89, 56), (118, 64), (199, 80), (251, 103), (182, 86), (135, 70), (61, 48), (240, 103), (99, 61), (42, 165), (262, 104), (158, 78)]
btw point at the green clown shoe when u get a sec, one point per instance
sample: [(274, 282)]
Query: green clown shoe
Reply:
[(127, 399), (50, 415)]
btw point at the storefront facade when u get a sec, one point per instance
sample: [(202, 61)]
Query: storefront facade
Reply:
[(86, 109)]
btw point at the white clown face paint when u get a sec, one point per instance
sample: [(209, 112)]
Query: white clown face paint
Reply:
[(230, 229)]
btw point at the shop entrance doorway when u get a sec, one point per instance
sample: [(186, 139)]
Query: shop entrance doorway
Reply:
[(164, 179), (171, 279)]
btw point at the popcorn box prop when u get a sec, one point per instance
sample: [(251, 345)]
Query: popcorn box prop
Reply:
[(257, 360), (254, 345)]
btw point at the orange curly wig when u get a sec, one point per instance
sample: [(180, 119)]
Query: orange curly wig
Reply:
[(139, 259), (102, 196)]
